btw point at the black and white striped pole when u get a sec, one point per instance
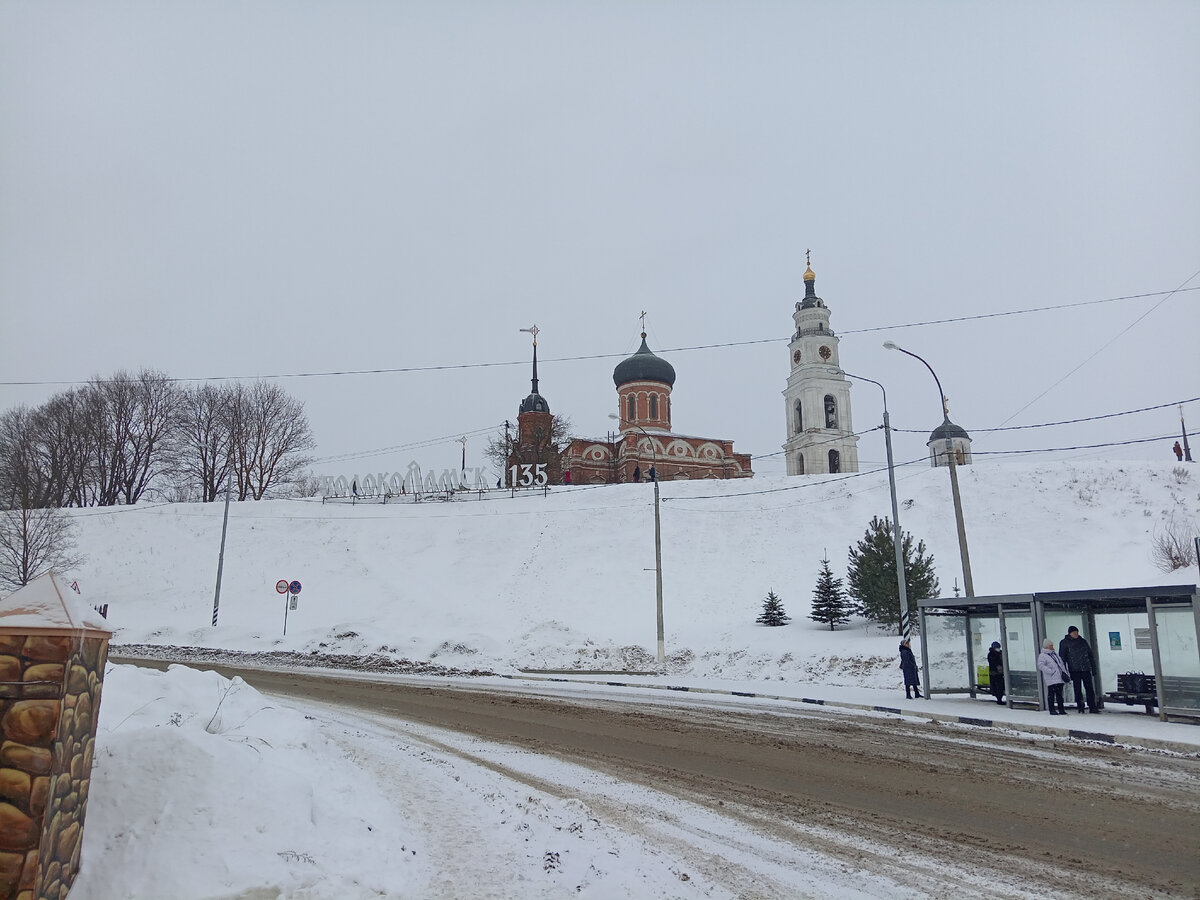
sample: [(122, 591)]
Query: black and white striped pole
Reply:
[(221, 557)]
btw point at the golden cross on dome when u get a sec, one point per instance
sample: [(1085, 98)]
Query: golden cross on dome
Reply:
[(643, 320), (808, 258), (534, 332)]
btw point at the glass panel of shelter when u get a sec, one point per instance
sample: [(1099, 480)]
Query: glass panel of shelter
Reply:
[(949, 663), (1020, 657), (1122, 645), (1178, 656)]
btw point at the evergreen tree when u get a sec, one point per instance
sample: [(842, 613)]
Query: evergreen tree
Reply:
[(830, 603), (772, 611), (871, 574)]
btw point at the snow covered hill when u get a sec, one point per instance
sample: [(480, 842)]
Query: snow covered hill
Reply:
[(566, 579)]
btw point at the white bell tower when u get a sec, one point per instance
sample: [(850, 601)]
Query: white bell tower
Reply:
[(820, 433)]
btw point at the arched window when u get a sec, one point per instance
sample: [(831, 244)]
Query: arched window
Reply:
[(959, 458), (799, 463), (835, 462), (830, 411), (654, 406), (799, 418), (632, 408)]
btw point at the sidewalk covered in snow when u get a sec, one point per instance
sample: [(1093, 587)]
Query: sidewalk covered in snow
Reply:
[(1145, 641)]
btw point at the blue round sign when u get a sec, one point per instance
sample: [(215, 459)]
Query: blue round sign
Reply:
[(294, 587)]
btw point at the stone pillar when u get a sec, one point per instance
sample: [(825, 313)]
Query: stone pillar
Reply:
[(50, 681)]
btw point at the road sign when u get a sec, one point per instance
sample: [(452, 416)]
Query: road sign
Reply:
[(281, 587), (294, 587)]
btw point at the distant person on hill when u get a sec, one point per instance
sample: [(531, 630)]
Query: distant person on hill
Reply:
[(1055, 674), (1178, 451), (1077, 654), (908, 665), (996, 672)]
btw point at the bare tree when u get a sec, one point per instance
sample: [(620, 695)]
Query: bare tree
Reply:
[(270, 435), (22, 478), (32, 542), (499, 446), (205, 455)]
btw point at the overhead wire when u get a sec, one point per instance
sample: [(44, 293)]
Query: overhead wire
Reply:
[(596, 356)]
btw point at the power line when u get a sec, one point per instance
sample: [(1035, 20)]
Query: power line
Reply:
[(583, 358), (1103, 347), (1127, 412), (414, 445)]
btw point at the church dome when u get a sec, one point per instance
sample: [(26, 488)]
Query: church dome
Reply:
[(644, 366), (534, 403), (948, 430)]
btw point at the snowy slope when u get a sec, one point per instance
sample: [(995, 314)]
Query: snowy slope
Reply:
[(566, 579)]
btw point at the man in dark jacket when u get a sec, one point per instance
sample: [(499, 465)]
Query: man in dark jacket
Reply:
[(1076, 653)]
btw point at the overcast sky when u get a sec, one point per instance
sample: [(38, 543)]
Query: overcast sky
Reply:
[(229, 189)]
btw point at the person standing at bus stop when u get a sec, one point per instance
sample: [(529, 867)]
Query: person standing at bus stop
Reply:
[(995, 660), (1077, 654)]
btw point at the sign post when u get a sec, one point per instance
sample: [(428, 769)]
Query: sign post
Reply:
[(293, 591)]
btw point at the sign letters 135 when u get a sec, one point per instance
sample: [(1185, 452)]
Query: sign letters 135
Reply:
[(530, 475)]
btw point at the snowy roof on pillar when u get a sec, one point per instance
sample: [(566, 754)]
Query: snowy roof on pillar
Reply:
[(47, 604)]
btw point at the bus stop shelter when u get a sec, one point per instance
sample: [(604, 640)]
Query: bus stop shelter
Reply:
[(1145, 641)]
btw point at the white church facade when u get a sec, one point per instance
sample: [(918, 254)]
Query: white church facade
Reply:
[(820, 431)]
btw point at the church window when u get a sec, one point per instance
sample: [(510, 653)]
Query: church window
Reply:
[(835, 462), (959, 458), (830, 411), (632, 408), (799, 463), (820, 326), (654, 406), (799, 419)]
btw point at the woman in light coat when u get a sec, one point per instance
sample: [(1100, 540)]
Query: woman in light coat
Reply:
[(1055, 674)]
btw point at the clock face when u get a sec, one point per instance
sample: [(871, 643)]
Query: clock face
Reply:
[(796, 357), (825, 352)]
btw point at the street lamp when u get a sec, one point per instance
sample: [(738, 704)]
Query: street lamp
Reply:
[(905, 623), (657, 540), (968, 585)]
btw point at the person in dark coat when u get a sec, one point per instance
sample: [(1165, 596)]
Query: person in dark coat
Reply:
[(908, 665), (996, 672), (1077, 654)]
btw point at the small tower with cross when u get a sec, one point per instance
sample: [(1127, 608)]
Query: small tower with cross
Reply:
[(535, 444), (820, 435)]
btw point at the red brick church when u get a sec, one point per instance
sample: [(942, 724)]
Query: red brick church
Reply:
[(644, 382)]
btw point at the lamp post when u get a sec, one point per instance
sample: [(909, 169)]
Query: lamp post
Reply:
[(968, 584), (897, 540), (657, 541)]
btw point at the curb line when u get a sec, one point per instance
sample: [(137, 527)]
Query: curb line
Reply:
[(1048, 730)]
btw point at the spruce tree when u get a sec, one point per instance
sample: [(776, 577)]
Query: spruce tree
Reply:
[(830, 603), (871, 574), (772, 611)]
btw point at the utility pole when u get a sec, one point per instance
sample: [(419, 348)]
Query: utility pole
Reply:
[(1187, 451), (221, 555)]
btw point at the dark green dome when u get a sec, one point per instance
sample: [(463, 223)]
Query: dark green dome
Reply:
[(948, 430), (534, 403), (644, 366)]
